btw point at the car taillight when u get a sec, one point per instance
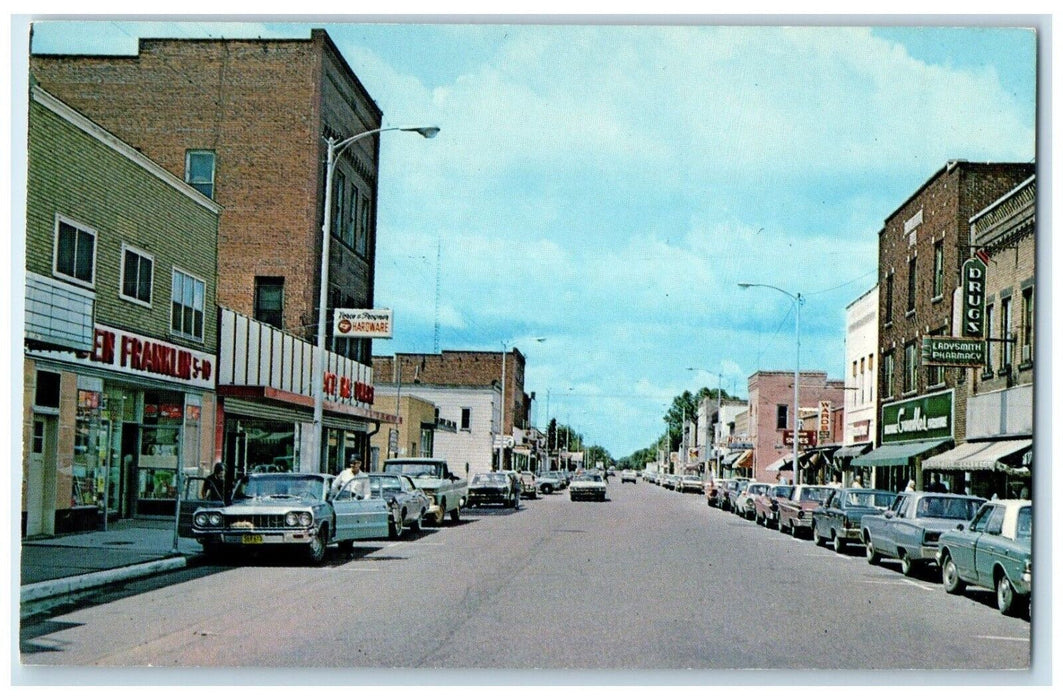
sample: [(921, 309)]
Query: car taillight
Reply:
[(846, 523)]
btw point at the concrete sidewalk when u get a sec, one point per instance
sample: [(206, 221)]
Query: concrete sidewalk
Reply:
[(66, 564)]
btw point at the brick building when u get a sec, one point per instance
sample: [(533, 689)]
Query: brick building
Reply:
[(245, 121), (771, 401), (120, 327), (997, 455), (468, 370), (922, 246)]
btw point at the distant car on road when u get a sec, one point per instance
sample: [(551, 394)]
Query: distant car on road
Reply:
[(587, 486), (991, 551), (549, 482), (492, 488), (838, 520), (690, 483), (910, 529), (528, 486), (447, 491), (734, 487), (628, 475)]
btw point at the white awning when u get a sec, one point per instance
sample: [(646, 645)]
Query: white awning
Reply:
[(976, 456), (783, 463)]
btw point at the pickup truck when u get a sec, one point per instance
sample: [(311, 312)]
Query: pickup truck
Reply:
[(447, 491), (910, 529)]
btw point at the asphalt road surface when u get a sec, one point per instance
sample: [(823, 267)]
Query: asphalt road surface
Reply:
[(648, 580)]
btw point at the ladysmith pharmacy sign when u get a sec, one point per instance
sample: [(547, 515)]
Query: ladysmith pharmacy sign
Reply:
[(927, 417)]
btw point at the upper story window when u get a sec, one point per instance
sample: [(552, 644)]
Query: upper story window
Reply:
[(935, 374), (340, 206), (1026, 341), (269, 300), (939, 269), (1006, 335), (782, 416), (137, 275), (466, 419), (350, 218), (75, 251), (199, 171), (911, 367), (188, 299), (911, 284), (361, 244), (887, 315), (887, 373), (989, 344)]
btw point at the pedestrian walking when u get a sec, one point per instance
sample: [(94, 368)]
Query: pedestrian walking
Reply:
[(214, 485)]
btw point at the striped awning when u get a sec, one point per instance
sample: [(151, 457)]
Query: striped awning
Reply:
[(784, 463), (977, 456)]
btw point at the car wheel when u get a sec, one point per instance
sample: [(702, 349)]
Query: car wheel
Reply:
[(950, 577), (839, 543), (907, 565), (870, 553), (315, 550), (442, 514), (418, 524), (547, 489), (455, 515), (398, 525), (819, 539), (1007, 599), (779, 525), (346, 546)]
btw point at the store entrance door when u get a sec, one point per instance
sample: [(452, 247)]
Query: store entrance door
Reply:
[(41, 476), (130, 450)]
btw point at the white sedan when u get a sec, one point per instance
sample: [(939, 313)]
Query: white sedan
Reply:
[(587, 486)]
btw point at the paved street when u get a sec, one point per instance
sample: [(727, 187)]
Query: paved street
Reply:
[(650, 579)]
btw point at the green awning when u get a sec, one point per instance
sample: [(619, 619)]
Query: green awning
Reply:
[(889, 455)]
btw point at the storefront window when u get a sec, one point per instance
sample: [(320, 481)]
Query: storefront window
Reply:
[(160, 452), (261, 445), (90, 445)]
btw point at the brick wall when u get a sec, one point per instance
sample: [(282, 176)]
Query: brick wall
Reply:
[(262, 107), (938, 212)]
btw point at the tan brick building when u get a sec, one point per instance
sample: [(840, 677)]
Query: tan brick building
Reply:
[(922, 247)]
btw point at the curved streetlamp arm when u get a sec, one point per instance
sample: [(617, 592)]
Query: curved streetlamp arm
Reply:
[(337, 147)]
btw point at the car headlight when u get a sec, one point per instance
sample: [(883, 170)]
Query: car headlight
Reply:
[(207, 519), (298, 518)]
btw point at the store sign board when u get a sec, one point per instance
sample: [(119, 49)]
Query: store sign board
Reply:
[(953, 352), (973, 285), (927, 417), (362, 323), (806, 438)]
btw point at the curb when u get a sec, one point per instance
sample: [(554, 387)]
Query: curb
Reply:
[(73, 584)]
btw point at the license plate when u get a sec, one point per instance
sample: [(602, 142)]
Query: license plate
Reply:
[(251, 539)]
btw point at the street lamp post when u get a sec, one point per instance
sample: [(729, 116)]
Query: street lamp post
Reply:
[(798, 300), (335, 149)]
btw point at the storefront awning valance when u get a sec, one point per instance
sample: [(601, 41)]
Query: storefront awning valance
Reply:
[(744, 460), (784, 463), (977, 456), (850, 451), (889, 455)]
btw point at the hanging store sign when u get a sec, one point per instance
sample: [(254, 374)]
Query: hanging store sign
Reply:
[(953, 352), (922, 418), (362, 323), (805, 439), (973, 276)]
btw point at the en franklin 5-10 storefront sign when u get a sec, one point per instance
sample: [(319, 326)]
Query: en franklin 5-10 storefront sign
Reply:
[(928, 417)]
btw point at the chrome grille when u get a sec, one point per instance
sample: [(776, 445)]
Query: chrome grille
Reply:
[(258, 522)]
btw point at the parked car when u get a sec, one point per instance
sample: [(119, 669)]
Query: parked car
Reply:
[(587, 485), (744, 501), (447, 491), (690, 483), (409, 503), (838, 519), (991, 551), (715, 491), (766, 505), (549, 482), (492, 488), (669, 481), (192, 499), (291, 510), (795, 510), (528, 486), (734, 488), (628, 475), (909, 530)]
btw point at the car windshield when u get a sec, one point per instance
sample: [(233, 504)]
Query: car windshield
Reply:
[(783, 491), (758, 488), (489, 479), (280, 486), (815, 494), (380, 483), (590, 477), (870, 499), (1024, 526), (945, 507), (413, 469)]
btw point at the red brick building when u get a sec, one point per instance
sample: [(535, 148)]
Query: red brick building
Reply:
[(771, 403), (922, 247), (245, 122)]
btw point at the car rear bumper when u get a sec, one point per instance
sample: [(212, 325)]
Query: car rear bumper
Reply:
[(257, 538)]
